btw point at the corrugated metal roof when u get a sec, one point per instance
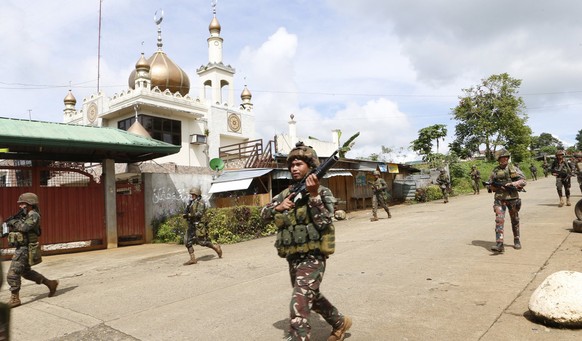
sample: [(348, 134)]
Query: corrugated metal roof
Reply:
[(234, 175), (70, 142)]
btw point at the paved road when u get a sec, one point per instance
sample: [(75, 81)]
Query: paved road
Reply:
[(425, 274)]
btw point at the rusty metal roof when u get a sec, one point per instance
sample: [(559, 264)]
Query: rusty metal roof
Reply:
[(38, 140)]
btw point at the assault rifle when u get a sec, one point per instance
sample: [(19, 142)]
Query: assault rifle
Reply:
[(8, 222), (300, 189), (500, 184), (563, 174)]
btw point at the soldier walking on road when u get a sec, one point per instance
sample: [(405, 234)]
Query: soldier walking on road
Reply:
[(578, 169), (506, 181), (546, 169), (475, 179), (23, 235), (380, 197), (305, 237), (197, 232), (562, 171), (445, 185), (534, 172)]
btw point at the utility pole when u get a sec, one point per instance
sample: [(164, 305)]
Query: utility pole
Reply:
[(99, 49)]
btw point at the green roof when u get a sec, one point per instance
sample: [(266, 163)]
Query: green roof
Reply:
[(37, 140)]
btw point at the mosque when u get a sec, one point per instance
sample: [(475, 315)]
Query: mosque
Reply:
[(158, 103)]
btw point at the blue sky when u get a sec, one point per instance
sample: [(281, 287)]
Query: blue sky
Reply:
[(385, 68)]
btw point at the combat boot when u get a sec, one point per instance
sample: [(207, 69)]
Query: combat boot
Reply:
[(516, 244), (192, 257), (561, 202), (568, 201), (389, 215), (51, 285), (498, 248), (14, 299), (374, 218), (217, 249), (339, 333)]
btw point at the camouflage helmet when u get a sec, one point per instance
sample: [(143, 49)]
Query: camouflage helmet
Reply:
[(504, 153), (376, 172), (195, 190), (473, 166), (560, 152), (28, 198), (303, 153)]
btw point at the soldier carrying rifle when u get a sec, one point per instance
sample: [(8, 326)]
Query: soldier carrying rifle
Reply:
[(506, 181), (23, 234), (562, 171), (380, 197)]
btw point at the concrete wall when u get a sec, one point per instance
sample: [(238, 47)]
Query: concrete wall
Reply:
[(169, 193)]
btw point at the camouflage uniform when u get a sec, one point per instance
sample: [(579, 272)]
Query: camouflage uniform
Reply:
[(444, 183), (305, 237), (27, 226), (507, 199), (546, 169), (578, 169), (475, 179), (197, 232), (562, 171), (380, 196), (534, 171)]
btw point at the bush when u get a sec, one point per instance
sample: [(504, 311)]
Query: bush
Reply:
[(172, 230), (433, 192), (225, 225)]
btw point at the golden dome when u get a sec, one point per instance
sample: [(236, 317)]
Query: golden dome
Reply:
[(246, 94), (70, 99), (142, 64), (214, 25), (164, 74)]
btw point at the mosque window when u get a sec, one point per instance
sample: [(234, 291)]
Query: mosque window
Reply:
[(161, 129)]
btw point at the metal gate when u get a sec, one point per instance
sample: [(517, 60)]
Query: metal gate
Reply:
[(71, 204), (130, 212)]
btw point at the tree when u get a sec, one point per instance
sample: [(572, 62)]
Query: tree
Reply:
[(546, 139), (579, 140), (545, 144), (491, 114), (423, 144)]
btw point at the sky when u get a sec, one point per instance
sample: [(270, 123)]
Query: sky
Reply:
[(384, 68)]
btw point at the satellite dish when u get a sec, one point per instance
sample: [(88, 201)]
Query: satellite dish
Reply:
[(216, 164)]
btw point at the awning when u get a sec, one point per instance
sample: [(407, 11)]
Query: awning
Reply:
[(236, 180), (230, 186), (285, 174)]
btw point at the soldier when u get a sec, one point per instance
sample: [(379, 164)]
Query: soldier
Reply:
[(24, 233), (475, 179), (445, 184), (305, 237), (534, 172), (578, 169), (546, 168), (506, 181), (380, 196), (562, 171), (197, 232)]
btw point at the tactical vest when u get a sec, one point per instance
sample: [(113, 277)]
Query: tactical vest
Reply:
[(296, 233), (508, 174)]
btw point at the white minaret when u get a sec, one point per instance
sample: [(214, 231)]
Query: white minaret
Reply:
[(215, 74), (293, 131), (215, 40)]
